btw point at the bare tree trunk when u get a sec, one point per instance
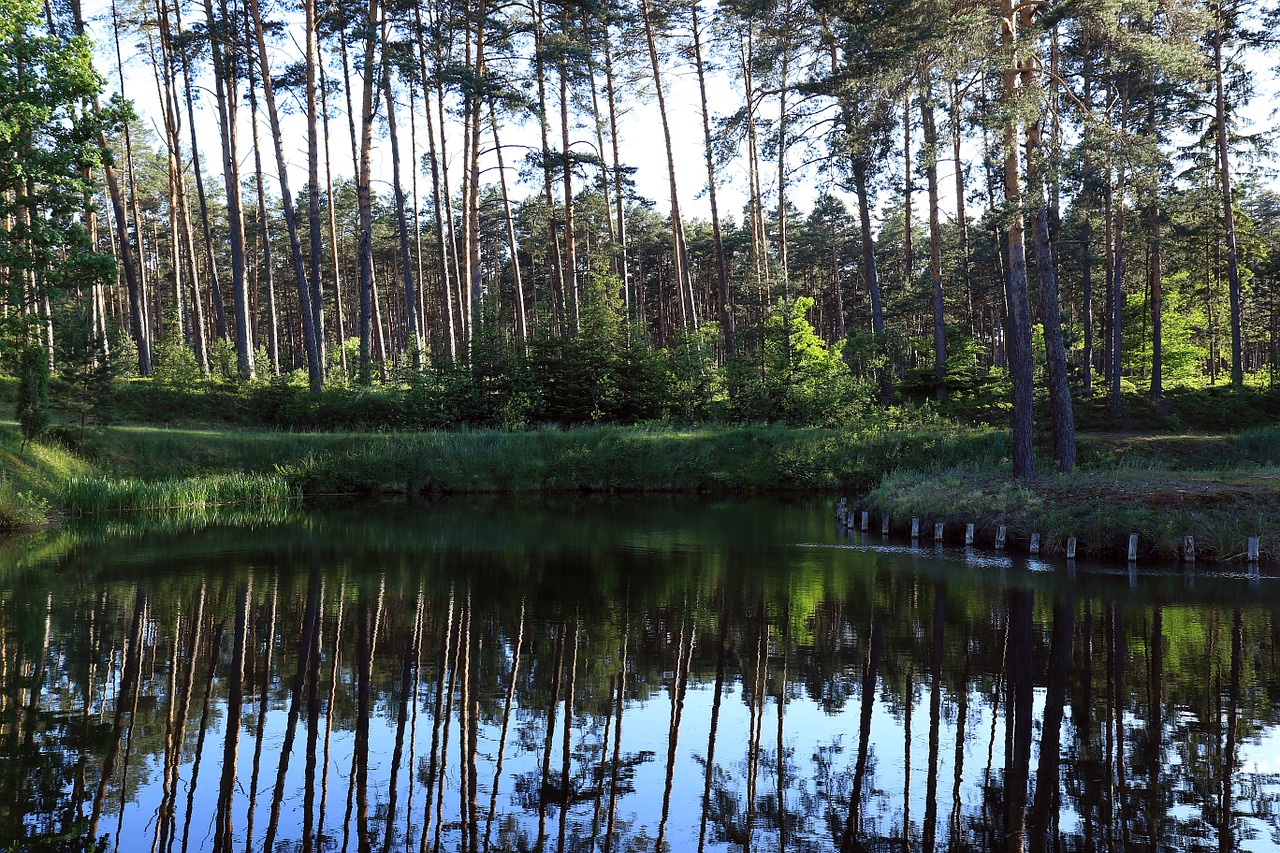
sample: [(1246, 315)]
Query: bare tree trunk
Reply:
[(364, 195), (315, 370), (408, 273), (438, 202), (1228, 203), (312, 325), (225, 93), (566, 157), (621, 253), (680, 258), (1021, 364), (722, 269), (513, 247), (268, 266), (930, 155)]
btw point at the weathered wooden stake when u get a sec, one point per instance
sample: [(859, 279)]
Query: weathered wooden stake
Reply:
[(915, 527), (1189, 548), (1071, 548), (1133, 547), (1253, 549), (968, 533), (1000, 537), (884, 524), (866, 516), (1035, 543), (937, 532)]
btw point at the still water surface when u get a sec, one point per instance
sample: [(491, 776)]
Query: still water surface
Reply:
[(616, 676)]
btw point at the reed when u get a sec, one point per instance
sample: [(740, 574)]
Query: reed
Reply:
[(97, 494)]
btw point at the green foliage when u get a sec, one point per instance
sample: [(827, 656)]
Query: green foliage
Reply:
[(33, 393), (20, 509), (793, 377), (222, 361), (175, 366)]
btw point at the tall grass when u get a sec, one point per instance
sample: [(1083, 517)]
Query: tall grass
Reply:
[(84, 495)]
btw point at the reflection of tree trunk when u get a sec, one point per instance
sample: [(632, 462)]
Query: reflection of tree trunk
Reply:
[(1042, 807), (962, 717), (908, 696), (506, 720), (756, 726), (333, 689), (545, 780), (449, 662), (684, 657), (402, 718), (782, 708), (935, 699), (1121, 655), (437, 718), (215, 645), (470, 711), (567, 744), (1018, 693), (617, 734), (264, 705), (310, 628), (364, 668), (1155, 725), (870, 672), (128, 685), (195, 625), (1226, 832), (715, 722), (223, 834), (311, 830)]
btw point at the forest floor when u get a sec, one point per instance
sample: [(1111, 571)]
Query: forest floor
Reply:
[(1220, 488)]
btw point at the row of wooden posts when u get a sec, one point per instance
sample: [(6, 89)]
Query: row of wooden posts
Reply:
[(850, 519)]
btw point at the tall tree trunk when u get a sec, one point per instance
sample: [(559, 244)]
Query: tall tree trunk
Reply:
[(620, 261), (314, 301), (268, 265), (722, 267), (333, 235), (124, 248), (364, 195), (225, 94), (1062, 414), (315, 371), (868, 249), (1021, 364), (1228, 203), (513, 247), (438, 201), (407, 270), (680, 258), (930, 155), (215, 286), (566, 166)]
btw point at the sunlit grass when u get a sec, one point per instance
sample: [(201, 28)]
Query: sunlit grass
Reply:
[(105, 494)]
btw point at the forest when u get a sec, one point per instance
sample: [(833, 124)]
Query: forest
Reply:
[(1003, 210)]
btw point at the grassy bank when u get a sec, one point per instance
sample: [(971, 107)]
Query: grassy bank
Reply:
[(1219, 489), (144, 467)]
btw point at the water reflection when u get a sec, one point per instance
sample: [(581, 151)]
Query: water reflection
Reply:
[(616, 677)]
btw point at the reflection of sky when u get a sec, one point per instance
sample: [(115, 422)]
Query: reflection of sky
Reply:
[(807, 731)]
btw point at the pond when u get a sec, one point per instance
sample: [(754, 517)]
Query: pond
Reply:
[(618, 675)]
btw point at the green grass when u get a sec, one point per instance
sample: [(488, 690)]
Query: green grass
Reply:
[(82, 495), (1099, 508)]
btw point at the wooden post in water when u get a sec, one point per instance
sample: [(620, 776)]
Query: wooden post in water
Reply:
[(884, 524), (1189, 548), (842, 511), (915, 527), (1253, 549), (937, 532), (968, 533), (1071, 548), (1000, 537), (866, 517), (1133, 547), (1035, 543)]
